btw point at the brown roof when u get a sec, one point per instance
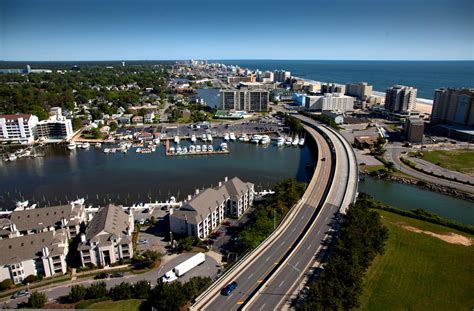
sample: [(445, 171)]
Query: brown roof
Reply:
[(110, 219), (15, 116)]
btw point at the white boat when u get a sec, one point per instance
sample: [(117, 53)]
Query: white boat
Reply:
[(179, 149), (193, 138), (280, 141), (288, 141), (209, 137), (156, 141), (176, 139), (204, 137), (301, 142), (185, 150), (98, 145), (223, 146), (85, 145), (232, 136), (210, 148), (242, 137), (246, 139), (192, 149), (256, 139), (198, 148), (137, 151), (265, 140), (71, 146), (106, 150), (204, 148), (295, 142), (12, 157), (226, 137), (171, 149)]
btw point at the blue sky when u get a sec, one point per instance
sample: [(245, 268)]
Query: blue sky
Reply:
[(257, 29)]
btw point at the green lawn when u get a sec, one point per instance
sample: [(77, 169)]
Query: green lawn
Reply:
[(461, 160), (370, 168), (419, 272), (125, 305)]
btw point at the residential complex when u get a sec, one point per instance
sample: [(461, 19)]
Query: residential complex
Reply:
[(18, 128), (56, 127), (238, 79), (43, 254), (329, 101), (414, 129), (333, 88), (108, 237), (453, 106), (400, 99), (361, 90), (202, 214), (281, 75), (244, 100)]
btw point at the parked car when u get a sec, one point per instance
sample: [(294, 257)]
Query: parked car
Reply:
[(101, 276), (226, 291), (20, 293), (142, 242), (117, 275)]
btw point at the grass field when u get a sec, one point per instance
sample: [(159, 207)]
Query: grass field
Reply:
[(419, 272), (370, 168), (461, 160), (125, 305)]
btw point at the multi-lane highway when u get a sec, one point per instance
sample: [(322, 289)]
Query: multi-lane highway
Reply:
[(269, 274)]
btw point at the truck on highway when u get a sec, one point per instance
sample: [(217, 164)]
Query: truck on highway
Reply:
[(183, 267)]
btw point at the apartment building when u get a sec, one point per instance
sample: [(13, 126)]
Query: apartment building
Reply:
[(361, 90), (31, 221), (43, 254), (400, 99), (453, 106), (414, 129), (108, 237), (18, 128), (326, 102), (333, 88), (237, 79), (204, 212), (56, 127), (281, 75), (250, 100)]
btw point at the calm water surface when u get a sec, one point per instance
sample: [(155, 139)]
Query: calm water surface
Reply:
[(410, 197), (129, 178)]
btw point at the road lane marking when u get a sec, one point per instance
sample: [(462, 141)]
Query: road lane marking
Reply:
[(250, 276), (261, 308), (259, 281), (309, 246), (240, 302)]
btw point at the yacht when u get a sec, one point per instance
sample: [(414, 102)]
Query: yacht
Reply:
[(71, 146), (209, 137), (138, 150), (280, 141), (288, 141), (226, 137), (246, 138), (204, 137), (301, 142), (242, 137), (12, 157), (256, 139), (265, 139), (204, 148), (210, 148), (223, 146), (232, 136), (85, 145), (156, 141), (198, 148), (176, 139), (98, 145), (192, 149), (193, 138), (185, 150), (179, 149), (106, 150), (296, 140), (172, 149)]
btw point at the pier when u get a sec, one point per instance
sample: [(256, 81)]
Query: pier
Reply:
[(213, 152)]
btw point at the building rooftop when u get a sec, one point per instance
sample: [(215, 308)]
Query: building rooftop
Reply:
[(15, 116), (109, 219)]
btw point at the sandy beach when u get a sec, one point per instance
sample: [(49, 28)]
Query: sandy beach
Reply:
[(423, 107)]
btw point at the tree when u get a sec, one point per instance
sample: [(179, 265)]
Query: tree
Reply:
[(37, 300), (121, 292), (141, 289), (6, 284), (195, 286), (96, 290), (29, 279), (185, 244), (113, 126), (167, 296), (77, 293), (76, 123)]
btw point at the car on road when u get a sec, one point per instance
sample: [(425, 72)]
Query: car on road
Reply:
[(226, 291), (142, 242), (117, 275), (101, 276), (20, 293)]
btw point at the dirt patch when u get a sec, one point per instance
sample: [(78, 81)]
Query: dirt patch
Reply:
[(452, 238)]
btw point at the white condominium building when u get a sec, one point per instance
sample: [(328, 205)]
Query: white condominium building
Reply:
[(250, 100), (329, 101), (18, 128)]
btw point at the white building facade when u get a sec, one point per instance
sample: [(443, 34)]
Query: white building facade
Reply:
[(18, 128)]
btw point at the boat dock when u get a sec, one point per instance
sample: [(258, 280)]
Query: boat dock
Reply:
[(177, 153)]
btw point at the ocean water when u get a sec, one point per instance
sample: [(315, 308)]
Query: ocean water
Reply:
[(424, 75)]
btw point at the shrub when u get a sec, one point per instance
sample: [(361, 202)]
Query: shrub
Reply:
[(141, 289), (37, 300), (121, 292), (29, 279), (96, 290), (77, 293), (6, 284)]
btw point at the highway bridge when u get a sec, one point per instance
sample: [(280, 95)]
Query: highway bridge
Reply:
[(268, 276)]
